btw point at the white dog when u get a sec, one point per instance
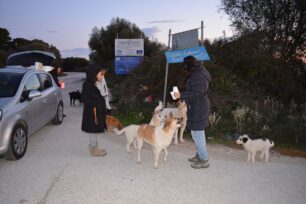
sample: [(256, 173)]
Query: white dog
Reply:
[(159, 137), (253, 146), (130, 134)]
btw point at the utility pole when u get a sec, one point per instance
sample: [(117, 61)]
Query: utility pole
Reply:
[(166, 75)]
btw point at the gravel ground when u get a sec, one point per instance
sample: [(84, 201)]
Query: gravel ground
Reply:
[(57, 168)]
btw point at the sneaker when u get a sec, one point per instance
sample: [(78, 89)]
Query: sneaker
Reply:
[(96, 152), (194, 159), (200, 164)]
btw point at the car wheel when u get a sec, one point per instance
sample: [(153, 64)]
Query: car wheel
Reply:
[(18, 143), (59, 116)]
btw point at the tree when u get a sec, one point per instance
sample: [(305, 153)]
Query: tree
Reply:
[(4, 38), (283, 22), (74, 64)]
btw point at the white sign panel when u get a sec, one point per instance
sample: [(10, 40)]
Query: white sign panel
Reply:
[(186, 39), (129, 47)]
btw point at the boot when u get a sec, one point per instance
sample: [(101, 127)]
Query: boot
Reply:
[(194, 159), (96, 152), (200, 164)]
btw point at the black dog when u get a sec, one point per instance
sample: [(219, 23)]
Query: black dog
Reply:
[(75, 95)]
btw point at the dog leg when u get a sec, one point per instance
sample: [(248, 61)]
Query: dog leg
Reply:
[(156, 157), (128, 147), (262, 155), (139, 146), (249, 156), (135, 144), (175, 136), (129, 142), (182, 129), (108, 128), (267, 155), (253, 156), (166, 154)]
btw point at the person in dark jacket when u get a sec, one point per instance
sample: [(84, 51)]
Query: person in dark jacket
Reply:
[(198, 107), (94, 111)]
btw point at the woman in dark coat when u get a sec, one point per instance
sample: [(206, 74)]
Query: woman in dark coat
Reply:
[(93, 121), (198, 107)]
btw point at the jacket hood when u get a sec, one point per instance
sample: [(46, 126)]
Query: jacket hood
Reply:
[(91, 73)]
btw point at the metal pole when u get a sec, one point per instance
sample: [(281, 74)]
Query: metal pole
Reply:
[(166, 75), (202, 35)]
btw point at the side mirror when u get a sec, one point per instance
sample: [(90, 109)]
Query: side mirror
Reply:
[(33, 94)]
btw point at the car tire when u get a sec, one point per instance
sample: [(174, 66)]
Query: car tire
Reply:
[(18, 143), (59, 116)]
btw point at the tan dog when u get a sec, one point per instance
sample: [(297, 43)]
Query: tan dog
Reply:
[(159, 137), (112, 122), (180, 113)]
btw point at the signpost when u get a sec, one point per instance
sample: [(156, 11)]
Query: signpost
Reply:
[(128, 54), (185, 39), (184, 44)]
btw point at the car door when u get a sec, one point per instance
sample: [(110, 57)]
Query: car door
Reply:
[(47, 89), (37, 110)]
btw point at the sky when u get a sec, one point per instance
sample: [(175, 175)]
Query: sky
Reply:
[(67, 24)]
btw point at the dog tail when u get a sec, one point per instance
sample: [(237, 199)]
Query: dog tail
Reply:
[(272, 143), (119, 132)]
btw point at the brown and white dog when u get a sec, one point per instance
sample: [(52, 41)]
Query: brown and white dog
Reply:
[(112, 122), (131, 130), (159, 137), (253, 146)]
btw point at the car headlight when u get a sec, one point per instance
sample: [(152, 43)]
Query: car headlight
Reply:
[(0, 114)]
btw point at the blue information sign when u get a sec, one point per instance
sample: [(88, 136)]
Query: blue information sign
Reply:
[(124, 65), (177, 56)]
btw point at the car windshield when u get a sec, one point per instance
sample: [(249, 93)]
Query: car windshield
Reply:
[(28, 59), (9, 83)]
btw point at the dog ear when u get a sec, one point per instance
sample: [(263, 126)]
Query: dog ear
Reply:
[(245, 139)]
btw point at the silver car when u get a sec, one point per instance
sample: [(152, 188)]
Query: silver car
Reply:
[(29, 99)]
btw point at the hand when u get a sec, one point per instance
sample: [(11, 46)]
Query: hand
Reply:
[(95, 115), (177, 94)]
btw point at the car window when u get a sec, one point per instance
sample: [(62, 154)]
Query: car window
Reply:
[(9, 83), (46, 81), (32, 83)]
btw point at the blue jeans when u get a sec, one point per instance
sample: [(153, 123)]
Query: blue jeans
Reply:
[(199, 139)]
